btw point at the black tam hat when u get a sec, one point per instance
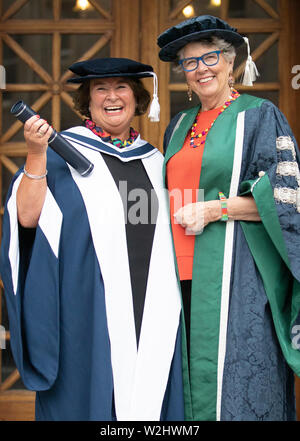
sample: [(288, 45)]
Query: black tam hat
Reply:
[(117, 67), (196, 28), (109, 67), (199, 28)]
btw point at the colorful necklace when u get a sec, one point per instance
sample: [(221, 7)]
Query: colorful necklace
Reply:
[(234, 95), (106, 137)]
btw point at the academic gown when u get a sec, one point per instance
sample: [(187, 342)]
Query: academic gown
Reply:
[(245, 301), (79, 335)]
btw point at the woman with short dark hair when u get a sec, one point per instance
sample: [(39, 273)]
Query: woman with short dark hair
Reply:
[(141, 95)]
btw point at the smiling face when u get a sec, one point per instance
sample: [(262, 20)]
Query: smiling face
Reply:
[(112, 105), (210, 83)]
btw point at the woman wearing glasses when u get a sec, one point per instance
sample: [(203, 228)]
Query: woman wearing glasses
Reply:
[(236, 234)]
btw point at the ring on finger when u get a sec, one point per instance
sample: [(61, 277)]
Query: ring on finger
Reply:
[(40, 132)]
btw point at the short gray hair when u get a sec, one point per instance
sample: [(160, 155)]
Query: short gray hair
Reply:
[(228, 50)]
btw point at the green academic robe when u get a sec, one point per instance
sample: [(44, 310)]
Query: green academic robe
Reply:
[(245, 298)]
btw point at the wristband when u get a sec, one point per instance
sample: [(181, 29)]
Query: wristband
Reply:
[(37, 177), (223, 201)]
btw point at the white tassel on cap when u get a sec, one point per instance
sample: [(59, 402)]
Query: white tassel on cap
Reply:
[(154, 107), (251, 72)]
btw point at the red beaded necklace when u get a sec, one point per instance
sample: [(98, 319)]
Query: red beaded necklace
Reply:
[(234, 95)]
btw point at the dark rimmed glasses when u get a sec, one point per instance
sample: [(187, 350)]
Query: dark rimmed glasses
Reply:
[(192, 63)]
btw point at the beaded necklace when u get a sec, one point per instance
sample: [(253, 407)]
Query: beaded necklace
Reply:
[(106, 137), (234, 95)]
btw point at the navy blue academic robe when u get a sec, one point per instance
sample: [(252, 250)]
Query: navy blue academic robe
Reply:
[(69, 296)]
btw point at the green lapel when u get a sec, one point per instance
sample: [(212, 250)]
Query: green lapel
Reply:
[(176, 142), (216, 174)]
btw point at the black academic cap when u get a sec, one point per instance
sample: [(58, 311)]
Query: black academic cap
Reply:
[(196, 28), (109, 67)]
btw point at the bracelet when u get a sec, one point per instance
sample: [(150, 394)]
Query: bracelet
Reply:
[(223, 201), (37, 177)]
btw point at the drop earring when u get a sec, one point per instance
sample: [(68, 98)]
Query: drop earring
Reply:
[(231, 82), (189, 93)]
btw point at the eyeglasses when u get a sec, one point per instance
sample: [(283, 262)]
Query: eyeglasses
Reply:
[(192, 63)]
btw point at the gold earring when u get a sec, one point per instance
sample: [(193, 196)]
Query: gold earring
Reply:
[(231, 82), (189, 93)]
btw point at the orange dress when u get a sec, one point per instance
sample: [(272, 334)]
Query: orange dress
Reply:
[(183, 176)]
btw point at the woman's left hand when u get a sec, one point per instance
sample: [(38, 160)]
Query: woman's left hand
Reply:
[(194, 217)]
